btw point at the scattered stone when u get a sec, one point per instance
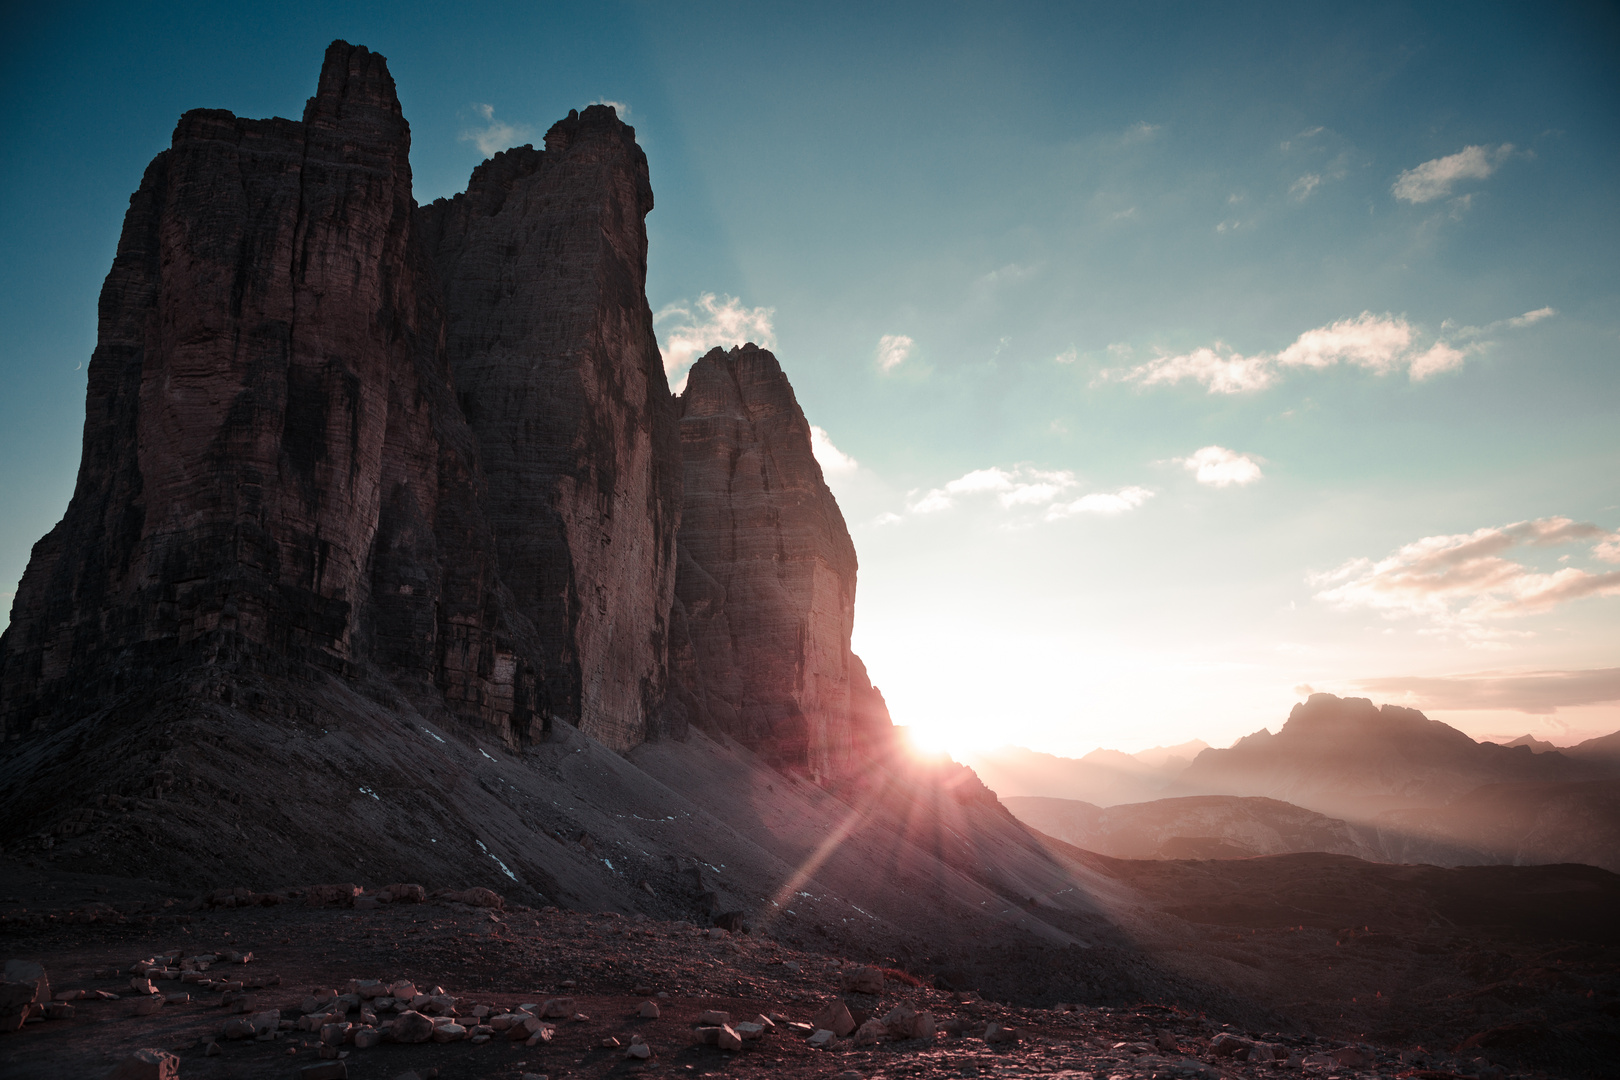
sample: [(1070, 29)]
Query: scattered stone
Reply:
[(849, 1074), (557, 1007), (638, 1051), (449, 1032), (999, 1033), (238, 1027), (476, 897), (610, 1043), (714, 1018), (649, 1010), (59, 1010), (142, 985), (728, 1039), (147, 1064), (177, 999), (749, 1031), (213, 1050), (402, 894), (1351, 1057), (869, 1033), (821, 1039), (148, 1005)]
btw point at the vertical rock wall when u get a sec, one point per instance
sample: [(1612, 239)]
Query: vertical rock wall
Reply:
[(543, 266), (765, 597), (270, 434)]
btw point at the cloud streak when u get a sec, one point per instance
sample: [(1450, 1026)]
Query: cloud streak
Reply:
[(1437, 178), (689, 330), (1463, 582), (1379, 344)]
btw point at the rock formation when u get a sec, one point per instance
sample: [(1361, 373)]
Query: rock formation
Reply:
[(1348, 758), (765, 596), (278, 472), (543, 267)]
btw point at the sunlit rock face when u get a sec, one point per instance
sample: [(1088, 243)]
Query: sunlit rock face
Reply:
[(543, 267), (765, 596)]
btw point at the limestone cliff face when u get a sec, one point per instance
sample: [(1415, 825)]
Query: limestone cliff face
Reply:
[(543, 266), (275, 476), (765, 597)]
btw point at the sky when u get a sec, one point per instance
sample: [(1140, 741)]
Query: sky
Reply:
[(1170, 362)]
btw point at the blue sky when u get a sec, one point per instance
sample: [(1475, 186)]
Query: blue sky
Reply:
[(1170, 359)]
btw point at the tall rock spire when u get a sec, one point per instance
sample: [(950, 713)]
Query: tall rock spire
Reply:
[(543, 266), (765, 598)]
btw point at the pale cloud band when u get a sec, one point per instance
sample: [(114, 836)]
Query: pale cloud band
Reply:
[(1220, 467), (1535, 692), (689, 330), (1435, 179), (1380, 344), (1462, 582)]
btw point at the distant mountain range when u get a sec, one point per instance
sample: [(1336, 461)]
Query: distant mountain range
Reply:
[(1341, 775)]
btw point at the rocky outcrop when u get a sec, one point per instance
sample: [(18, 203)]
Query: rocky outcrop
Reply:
[(543, 267), (279, 478), (765, 596)]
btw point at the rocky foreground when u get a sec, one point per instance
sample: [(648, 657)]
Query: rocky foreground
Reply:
[(334, 981)]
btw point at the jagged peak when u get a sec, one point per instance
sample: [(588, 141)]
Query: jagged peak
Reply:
[(353, 80)]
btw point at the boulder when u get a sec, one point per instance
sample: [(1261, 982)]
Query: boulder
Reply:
[(861, 980), (411, 1027), (835, 1017)]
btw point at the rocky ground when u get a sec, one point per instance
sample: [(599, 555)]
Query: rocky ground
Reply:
[(496, 966)]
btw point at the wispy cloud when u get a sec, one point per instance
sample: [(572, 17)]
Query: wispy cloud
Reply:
[(1301, 189), (1464, 582), (620, 109), (1219, 467), (1534, 692), (1380, 344), (833, 461), (1026, 492), (1437, 178), (892, 351), (1101, 502), (1067, 356), (495, 135), (691, 329)]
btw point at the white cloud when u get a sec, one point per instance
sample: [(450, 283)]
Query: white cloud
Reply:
[(893, 349), (1301, 189), (1463, 582), (1530, 318), (1141, 131), (694, 329), (1435, 359), (1101, 503), (1220, 467), (1378, 343), (832, 459), (1435, 179), (1067, 356), (495, 135), (619, 108)]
